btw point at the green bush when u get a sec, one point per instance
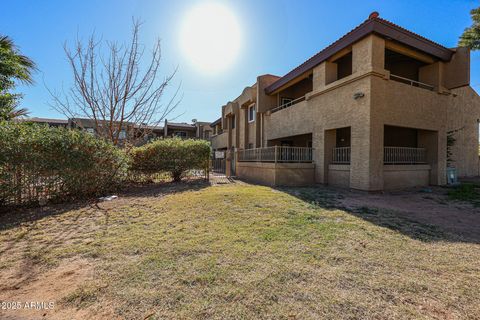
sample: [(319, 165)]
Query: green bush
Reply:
[(38, 162), (175, 156)]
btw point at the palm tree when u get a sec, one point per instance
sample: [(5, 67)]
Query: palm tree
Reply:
[(13, 66)]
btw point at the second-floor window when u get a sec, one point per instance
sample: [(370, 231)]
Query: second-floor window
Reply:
[(251, 113)]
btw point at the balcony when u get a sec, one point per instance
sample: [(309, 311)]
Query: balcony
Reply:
[(391, 155), (411, 82), (288, 104), (277, 154), (220, 141)]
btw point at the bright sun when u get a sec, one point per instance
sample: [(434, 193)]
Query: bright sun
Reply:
[(210, 37)]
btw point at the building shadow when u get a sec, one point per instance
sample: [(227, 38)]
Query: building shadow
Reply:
[(460, 226)]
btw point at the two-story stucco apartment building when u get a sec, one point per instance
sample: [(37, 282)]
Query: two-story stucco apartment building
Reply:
[(372, 111)]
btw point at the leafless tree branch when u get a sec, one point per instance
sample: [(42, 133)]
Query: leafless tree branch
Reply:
[(113, 90)]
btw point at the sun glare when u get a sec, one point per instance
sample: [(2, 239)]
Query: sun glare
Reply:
[(210, 37)]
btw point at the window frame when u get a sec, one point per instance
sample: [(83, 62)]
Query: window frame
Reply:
[(252, 116)]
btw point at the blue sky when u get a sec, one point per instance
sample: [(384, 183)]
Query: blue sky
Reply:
[(277, 36)]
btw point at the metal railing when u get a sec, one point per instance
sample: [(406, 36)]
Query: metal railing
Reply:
[(277, 154), (404, 155), (411, 82), (341, 155), (288, 104), (391, 155)]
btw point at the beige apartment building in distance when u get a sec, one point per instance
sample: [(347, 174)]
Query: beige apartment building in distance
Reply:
[(372, 111)]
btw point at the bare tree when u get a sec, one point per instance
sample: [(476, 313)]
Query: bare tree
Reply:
[(114, 90)]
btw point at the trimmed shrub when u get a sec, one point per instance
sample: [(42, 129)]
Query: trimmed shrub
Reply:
[(38, 163), (174, 156)]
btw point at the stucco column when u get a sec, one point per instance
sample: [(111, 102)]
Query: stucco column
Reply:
[(368, 55), (435, 144), (366, 158), (318, 155)]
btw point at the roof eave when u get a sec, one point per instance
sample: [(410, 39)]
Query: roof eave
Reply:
[(376, 26)]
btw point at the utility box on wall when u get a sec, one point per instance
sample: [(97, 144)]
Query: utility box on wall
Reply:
[(452, 178)]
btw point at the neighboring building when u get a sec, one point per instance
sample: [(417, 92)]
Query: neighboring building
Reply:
[(50, 122), (219, 137), (195, 130), (204, 130), (372, 111)]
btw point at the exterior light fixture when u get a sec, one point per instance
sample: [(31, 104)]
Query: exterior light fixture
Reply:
[(358, 95)]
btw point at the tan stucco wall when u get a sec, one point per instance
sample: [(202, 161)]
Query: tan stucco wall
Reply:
[(339, 175), (331, 105), (400, 177), (289, 122), (277, 174), (219, 141), (463, 114)]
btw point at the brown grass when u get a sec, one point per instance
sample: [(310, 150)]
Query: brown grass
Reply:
[(241, 251)]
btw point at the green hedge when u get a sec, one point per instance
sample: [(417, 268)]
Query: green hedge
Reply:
[(175, 156), (38, 163)]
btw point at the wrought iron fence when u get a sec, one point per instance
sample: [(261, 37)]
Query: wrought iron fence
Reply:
[(404, 155), (277, 154), (341, 155)]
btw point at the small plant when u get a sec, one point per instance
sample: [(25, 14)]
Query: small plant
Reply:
[(450, 143), (466, 192)]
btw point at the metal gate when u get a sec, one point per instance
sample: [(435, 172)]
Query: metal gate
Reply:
[(233, 161), (218, 166)]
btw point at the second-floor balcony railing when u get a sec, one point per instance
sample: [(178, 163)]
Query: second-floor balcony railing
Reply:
[(391, 155), (411, 82), (288, 104), (276, 154)]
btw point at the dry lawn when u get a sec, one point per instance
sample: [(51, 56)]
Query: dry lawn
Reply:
[(240, 251)]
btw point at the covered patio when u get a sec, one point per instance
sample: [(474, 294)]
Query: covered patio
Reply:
[(277, 165)]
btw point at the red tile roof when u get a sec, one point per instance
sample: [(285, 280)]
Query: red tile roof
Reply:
[(373, 24)]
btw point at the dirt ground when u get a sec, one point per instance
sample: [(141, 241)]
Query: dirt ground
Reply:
[(24, 280), (426, 205)]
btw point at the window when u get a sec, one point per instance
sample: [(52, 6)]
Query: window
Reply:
[(251, 113), (233, 121), (250, 146), (285, 101), (181, 134), (207, 134), (90, 130)]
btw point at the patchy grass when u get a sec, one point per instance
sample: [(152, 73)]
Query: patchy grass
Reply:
[(242, 251), (469, 192)]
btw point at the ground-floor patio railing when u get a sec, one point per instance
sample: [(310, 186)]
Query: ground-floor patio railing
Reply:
[(404, 155), (277, 154), (341, 155), (391, 155)]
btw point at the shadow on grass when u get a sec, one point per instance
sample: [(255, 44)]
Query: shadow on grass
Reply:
[(14, 217), (328, 199)]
